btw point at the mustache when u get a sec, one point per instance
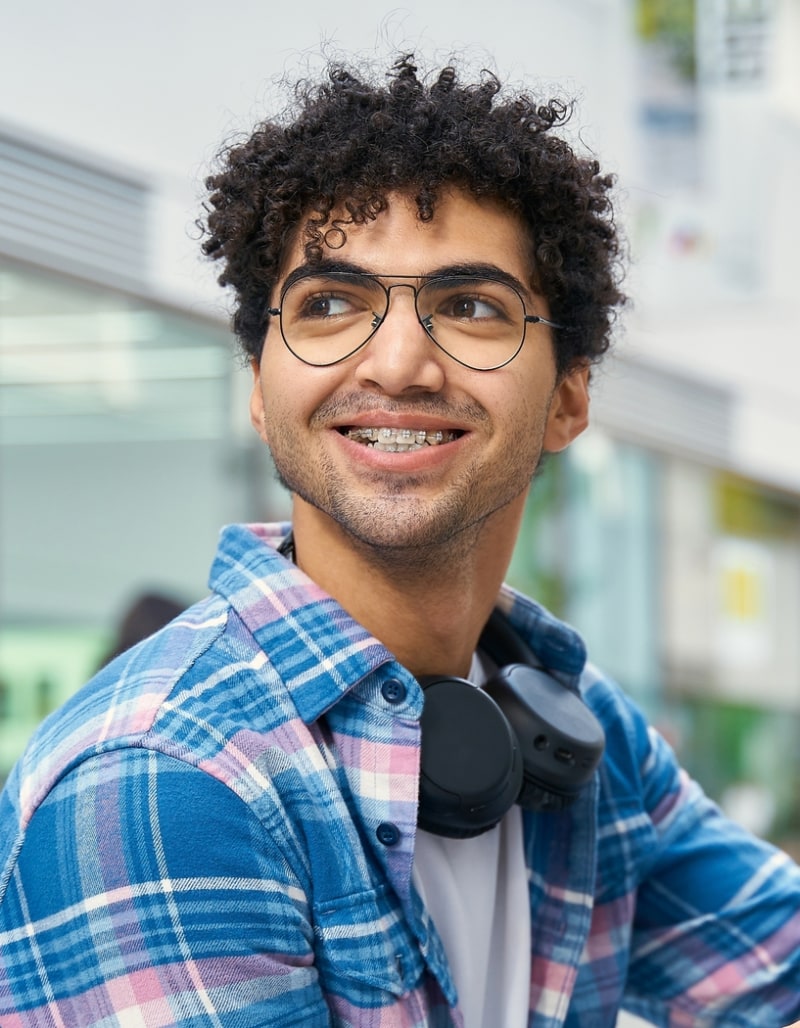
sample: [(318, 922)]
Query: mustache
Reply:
[(345, 405)]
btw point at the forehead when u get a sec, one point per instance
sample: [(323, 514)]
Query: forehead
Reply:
[(463, 229)]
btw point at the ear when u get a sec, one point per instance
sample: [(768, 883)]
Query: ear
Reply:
[(569, 409), (257, 401)]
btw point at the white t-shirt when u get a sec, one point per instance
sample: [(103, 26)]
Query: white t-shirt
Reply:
[(476, 891)]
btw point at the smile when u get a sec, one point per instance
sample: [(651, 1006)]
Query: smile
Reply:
[(398, 440)]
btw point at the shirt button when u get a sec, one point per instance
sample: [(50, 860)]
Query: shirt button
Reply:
[(393, 690), (388, 834)]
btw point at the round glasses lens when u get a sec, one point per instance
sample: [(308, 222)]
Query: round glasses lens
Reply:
[(325, 318), (479, 322)]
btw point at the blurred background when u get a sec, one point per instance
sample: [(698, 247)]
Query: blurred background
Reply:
[(669, 534)]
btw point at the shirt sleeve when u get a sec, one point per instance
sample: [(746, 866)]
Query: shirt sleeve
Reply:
[(146, 887), (717, 922)]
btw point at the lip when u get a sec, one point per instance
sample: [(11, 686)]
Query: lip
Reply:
[(378, 419), (426, 458)]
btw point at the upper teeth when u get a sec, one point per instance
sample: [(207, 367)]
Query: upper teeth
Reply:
[(398, 439)]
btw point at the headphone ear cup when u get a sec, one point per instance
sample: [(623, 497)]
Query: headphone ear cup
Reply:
[(524, 737), (560, 739), (542, 801), (471, 766)]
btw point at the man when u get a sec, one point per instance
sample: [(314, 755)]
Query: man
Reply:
[(248, 819)]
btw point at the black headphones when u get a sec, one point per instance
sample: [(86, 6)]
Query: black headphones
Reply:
[(523, 738)]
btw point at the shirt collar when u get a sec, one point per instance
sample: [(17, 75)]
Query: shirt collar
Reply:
[(559, 647), (318, 650)]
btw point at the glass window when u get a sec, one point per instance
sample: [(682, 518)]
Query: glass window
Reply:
[(119, 462)]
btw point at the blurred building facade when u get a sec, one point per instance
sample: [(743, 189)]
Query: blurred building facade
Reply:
[(669, 534), (115, 454)]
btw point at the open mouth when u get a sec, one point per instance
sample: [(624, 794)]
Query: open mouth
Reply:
[(399, 440)]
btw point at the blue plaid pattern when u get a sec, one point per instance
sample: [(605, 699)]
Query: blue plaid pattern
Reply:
[(219, 830)]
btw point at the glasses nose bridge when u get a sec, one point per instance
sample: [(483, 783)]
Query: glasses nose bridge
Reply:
[(414, 286)]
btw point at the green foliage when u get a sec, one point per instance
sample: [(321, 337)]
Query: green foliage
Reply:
[(670, 24)]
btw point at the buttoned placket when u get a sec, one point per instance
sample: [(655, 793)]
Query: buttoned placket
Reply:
[(393, 843)]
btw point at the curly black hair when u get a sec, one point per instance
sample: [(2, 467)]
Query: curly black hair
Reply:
[(348, 143)]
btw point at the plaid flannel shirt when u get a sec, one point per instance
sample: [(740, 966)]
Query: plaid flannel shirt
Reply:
[(219, 830)]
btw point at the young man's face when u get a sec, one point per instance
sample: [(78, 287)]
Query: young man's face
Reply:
[(494, 424)]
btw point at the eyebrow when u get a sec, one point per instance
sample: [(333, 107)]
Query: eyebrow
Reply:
[(466, 269)]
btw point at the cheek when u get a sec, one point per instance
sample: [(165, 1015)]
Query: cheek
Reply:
[(533, 391), (525, 415), (517, 398), (278, 377), (293, 391)]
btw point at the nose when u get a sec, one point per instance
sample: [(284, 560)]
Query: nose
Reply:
[(401, 357)]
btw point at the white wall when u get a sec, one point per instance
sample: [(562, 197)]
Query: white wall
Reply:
[(158, 86)]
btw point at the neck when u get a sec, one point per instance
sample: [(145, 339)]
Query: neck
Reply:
[(428, 606)]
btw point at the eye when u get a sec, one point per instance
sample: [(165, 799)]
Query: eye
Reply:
[(469, 308), (328, 305), (470, 303)]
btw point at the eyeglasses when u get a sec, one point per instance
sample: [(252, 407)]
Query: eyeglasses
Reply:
[(478, 321)]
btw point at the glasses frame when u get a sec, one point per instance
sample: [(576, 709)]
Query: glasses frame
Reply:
[(406, 282)]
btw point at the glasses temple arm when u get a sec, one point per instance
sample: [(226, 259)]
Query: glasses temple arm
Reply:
[(534, 319)]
